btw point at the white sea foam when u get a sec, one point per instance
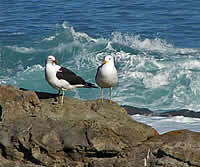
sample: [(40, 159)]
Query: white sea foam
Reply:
[(78, 35), (156, 44), (135, 41), (65, 25), (155, 81), (136, 67), (166, 124), (109, 46), (30, 73), (181, 119), (49, 38), (195, 86), (22, 49), (34, 68), (191, 65)]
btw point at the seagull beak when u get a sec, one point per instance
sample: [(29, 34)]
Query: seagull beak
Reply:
[(104, 62), (55, 61)]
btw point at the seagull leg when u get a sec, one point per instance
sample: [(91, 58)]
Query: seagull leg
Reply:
[(57, 98), (62, 99), (102, 95), (110, 94), (59, 92)]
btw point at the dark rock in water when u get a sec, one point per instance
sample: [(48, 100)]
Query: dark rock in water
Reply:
[(134, 110), (144, 111), (184, 112), (34, 132)]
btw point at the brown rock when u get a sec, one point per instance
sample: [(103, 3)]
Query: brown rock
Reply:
[(80, 133), (36, 133), (15, 103), (182, 146)]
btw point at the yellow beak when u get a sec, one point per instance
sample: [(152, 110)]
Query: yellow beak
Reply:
[(55, 61), (104, 62)]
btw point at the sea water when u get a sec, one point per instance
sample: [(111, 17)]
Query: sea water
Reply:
[(155, 45)]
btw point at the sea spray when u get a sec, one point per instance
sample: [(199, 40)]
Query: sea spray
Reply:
[(152, 72)]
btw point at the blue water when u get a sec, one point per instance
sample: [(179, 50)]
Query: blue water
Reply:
[(156, 45)]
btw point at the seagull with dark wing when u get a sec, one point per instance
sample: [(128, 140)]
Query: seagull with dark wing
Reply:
[(106, 76), (62, 78)]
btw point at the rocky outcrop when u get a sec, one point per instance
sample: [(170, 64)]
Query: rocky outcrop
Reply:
[(35, 132), (135, 110), (144, 111)]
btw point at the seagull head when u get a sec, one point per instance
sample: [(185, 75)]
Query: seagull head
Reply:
[(108, 59), (51, 60)]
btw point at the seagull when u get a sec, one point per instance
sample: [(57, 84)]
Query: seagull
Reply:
[(62, 78), (106, 76)]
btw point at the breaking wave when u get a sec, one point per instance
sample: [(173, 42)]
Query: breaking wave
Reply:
[(152, 72)]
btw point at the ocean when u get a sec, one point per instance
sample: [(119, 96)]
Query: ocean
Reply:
[(155, 44)]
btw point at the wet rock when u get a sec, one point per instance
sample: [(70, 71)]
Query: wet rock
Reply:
[(183, 112), (135, 110), (144, 111)]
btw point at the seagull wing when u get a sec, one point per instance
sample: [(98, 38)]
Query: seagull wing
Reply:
[(98, 70), (69, 76)]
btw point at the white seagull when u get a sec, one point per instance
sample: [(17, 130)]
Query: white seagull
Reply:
[(106, 76), (62, 78)]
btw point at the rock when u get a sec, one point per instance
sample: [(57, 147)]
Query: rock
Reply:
[(135, 110), (15, 103), (177, 148), (183, 112), (144, 111), (34, 132)]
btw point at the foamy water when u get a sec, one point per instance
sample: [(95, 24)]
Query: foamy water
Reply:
[(152, 73), (166, 124)]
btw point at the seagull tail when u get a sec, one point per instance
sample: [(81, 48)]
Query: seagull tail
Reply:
[(90, 85)]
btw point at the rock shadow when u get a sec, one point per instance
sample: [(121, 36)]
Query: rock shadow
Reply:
[(43, 95)]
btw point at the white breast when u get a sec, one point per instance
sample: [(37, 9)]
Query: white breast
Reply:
[(50, 74), (107, 76)]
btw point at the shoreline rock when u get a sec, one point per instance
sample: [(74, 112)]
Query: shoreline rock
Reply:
[(144, 111), (135, 110), (34, 132)]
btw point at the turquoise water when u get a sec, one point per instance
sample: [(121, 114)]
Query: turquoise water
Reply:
[(155, 46)]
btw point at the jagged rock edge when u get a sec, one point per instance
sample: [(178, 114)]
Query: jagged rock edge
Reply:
[(161, 153)]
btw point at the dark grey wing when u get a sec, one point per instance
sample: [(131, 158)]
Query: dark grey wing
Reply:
[(72, 78), (98, 71), (69, 76)]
